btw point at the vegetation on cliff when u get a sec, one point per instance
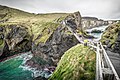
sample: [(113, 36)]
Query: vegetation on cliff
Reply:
[(48, 39), (78, 63), (15, 24), (36, 23), (111, 34)]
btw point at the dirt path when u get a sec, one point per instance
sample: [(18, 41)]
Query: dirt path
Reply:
[(115, 59)]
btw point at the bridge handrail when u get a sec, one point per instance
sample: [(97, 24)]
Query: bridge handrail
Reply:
[(99, 73), (110, 63), (98, 56)]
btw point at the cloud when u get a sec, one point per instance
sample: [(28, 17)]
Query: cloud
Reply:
[(106, 9)]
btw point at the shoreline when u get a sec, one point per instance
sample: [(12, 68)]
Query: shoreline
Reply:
[(7, 58)]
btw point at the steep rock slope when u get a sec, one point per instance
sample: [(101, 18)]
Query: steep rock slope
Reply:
[(60, 41), (111, 37), (43, 34), (14, 39), (21, 31)]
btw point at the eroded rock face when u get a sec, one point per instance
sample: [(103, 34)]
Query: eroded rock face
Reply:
[(111, 37), (18, 39), (60, 41), (14, 39), (117, 44), (91, 22), (54, 48), (2, 42), (74, 21)]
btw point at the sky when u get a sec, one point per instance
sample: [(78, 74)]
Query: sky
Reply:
[(103, 9)]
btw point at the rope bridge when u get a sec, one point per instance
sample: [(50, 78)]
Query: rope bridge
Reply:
[(104, 67)]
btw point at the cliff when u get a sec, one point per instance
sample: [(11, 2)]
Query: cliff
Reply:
[(111, 37), (91, 22), (50, 52), (45, 36), (21, 31)]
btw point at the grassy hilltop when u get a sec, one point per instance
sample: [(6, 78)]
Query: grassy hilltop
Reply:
[(36, 23)]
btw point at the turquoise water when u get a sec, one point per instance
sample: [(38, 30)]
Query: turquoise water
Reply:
[(97, 35), (10, 70), (15, 69)]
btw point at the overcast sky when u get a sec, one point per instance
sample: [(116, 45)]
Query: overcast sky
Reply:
[(105, 9)]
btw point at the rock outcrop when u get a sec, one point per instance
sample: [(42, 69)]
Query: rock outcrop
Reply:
[(116, 47), (59, 41), (42, 34), (14, 39), (91, 22), (111, 37), (23, 31)]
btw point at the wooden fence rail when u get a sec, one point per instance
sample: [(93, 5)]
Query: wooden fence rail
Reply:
[(104, 67)]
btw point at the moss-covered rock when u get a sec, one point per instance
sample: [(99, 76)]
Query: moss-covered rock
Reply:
[(111, 36), (14, 38), (43, 34), (54, 39), (48, 39), (20, 29), (78, 63)]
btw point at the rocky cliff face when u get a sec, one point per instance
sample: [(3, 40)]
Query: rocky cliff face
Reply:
[(91, 22), (116, 47), (14, 39), (23, 31), (59, 42), (43, 34), (111, 37)]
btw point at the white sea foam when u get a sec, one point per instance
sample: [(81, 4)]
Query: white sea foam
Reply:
[(35, 71)]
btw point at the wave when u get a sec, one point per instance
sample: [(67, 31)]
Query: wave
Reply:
[(35, 71)]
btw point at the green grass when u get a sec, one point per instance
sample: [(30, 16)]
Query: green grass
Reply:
[(45, 29), (78, 63), (37, 24), (111, 34)]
